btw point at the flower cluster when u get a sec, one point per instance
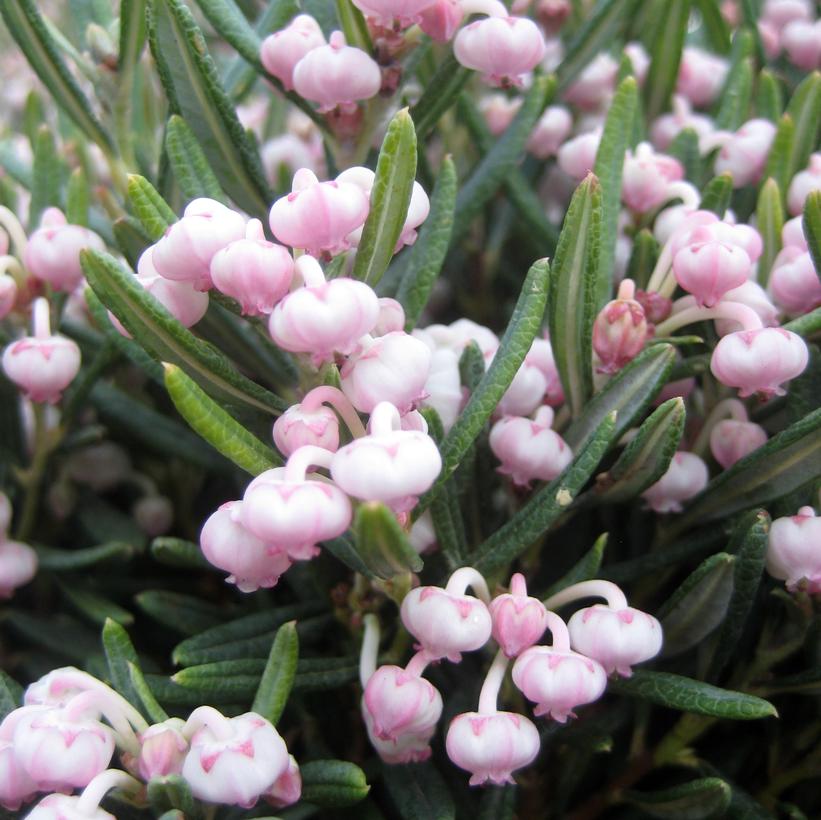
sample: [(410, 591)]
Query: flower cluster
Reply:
[(401, 709)]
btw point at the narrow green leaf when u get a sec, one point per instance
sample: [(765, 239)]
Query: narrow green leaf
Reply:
[(749, 568), (191, 168), (769, 220), (769, 100), (678, 692), (518, 337), (471, 366), (667, 44), (646, 458), (496, 166), (59, 560), (585, 569), (185, 614), (698, 606), (439, 95), (172, 793), (131, 238), (700, 799), (333, 783), (11, 694), (47, 172), (782, 465), (155, 712), (629, 393), (77, 198), (95, 607), (427, 255), (615, 140), (805, 109), (160, 333), (175, 552), (574, 288), (278, 675), (779, 159), (150, 208), (381, 542), (224, 642), (599, 30), (390, 197), (119, 653), (736, 97), (419, 792), (154, 430), (190, 78), (58, 633), (546, 505), (354, 26), (807, 325), (643, 258), (686, 150), (132, 35), (715, 26), (811, 223), (31, 33), (216, 426), (717, 193), (231, 24)]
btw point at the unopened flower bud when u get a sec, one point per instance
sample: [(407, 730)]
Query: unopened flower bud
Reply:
[(492, 746), (518, 619), (162, 749), (594, 87), (8, 294), (337, 75), (499, 111), (794, 283), (745, 153), (686, 477), (620, 330), (551, 130), (759, 361), (52, 254), (732, 439), (577, 156), (393, 13), (154, 514), (18, 565), (646, 178), (287, 788), (502, 48), (803, 183), (297, 427), (701, 76), (441, 19), (794, 550), (802, 42)]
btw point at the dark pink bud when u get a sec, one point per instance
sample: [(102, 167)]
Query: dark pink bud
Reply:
[(759, 361), (656, 307)]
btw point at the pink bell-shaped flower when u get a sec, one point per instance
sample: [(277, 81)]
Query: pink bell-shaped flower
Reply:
[(617, 637), (163, 747), (794, 283), (551, 130), (399, 704), (620, 330), (61, 750), (518, 620), (42, 365), (52, 253), (502, 48), (527, 389), (298, 427), (390, 465), (228, 545), (701, 76), (686, 477), (318, 216), (8, 294), (293, 514), (709, 269), (780, 12), (745, 153), (337, 75), (577, 156), (646, 178), (499, 111), (391, 317), (443, 388), (255, 272), (759, 361), (391, 368), (441, 19), (18, 565), (558, 680), (594, 87), (794, 551), (803, 183), (447, 622), (282, 50), (16, 787), (393, 14), (492, 746), (528, 449), (233, 761), (792, 234), (186, 250), (323, 318), (66, 807), (802, 43), (732, 439), (668, 126)]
